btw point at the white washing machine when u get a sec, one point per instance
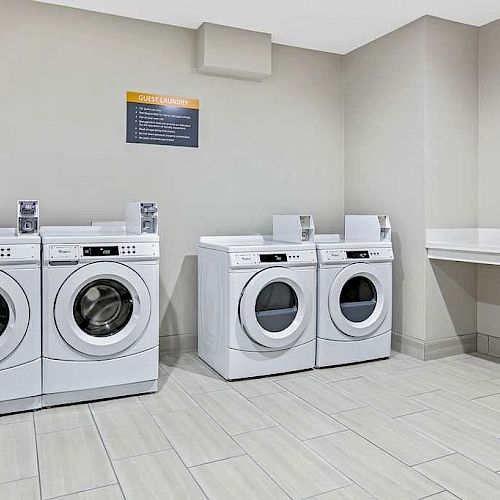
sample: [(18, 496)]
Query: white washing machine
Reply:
[(256, 305), (20, 322), (100, 313), (354, 300)]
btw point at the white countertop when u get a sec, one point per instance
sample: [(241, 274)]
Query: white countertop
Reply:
[(476, 244)]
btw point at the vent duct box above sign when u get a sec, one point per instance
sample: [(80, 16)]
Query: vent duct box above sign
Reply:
[(233, 52)]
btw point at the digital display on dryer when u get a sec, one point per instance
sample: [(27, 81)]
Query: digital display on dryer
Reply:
[(273, 257), (100, 251), (358, 254)]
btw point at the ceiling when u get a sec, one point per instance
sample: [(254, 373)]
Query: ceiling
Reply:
[(337, 26)]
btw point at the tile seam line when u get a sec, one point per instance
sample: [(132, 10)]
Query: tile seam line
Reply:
[(385, 451), (171, 444), (107, 452), (363, 405), (250, 458), (173, 449), (318, 456), (331, 416), (339, 490), (421, 434), (461, 455), (82, 491), (254, 406), (448, 446), (243, 452), (64, 430), (37, 459)]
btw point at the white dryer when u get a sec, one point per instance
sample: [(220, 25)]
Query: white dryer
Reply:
[(100, 313), (20, 322), (256, 305), (354, 300)]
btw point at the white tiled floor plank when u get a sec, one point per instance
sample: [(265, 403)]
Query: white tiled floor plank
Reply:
[(299, 471), (112, 492), (346, 372), (444, 495), (297, 416), (377, 472), (489, 366), (454, 408), (469, 371), (459, 436), (398, 363), (462, 477), (196, 437), (320, 394), (18, 458), (170, 397), (195, 376), (396, 437), (256, 387), (62, 418), (26, 416), (24, 489), (441, 379), (469, 412), (233, 412), (159, 476), (116, 402), (72, 461), (237, 479), (379, 396), (403, 382), (128, 431), (352, 492), (492, 402)]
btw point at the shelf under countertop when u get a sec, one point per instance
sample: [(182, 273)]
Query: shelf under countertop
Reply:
[(476, 244)]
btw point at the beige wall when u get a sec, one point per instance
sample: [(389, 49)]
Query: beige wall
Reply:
[(265, 148), (384, 155), (410, 127), (488, 318), (451, 121)]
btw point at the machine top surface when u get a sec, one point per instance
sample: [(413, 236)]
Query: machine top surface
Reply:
[(93, 234), (337, 241), (8, 236), (255, 243)]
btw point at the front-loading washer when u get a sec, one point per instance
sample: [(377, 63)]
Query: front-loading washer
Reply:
[(256, 305), (20, 322), (354, 300), (100, 313)]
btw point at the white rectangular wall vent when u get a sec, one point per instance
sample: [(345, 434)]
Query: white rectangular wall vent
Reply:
[(233, 52)]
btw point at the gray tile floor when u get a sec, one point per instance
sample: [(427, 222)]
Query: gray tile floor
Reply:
[(392, 429)]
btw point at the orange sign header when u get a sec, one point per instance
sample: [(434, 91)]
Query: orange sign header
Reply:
[(163, 100)]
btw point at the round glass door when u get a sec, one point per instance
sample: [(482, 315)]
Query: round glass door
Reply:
[(358, 299), (14, 314), (274, 308), (103, 307), (4, 314)]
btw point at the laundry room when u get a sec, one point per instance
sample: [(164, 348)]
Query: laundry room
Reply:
[(230, 228)]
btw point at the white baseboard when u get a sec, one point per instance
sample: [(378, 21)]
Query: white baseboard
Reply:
[(486, 344), (434, 349), (179, 343)]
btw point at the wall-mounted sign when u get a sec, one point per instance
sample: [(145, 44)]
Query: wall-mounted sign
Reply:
[(162, 119)]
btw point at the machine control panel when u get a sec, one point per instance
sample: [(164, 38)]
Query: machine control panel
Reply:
[(339, 255), (15, 254), (262, 259), (95, 252)]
